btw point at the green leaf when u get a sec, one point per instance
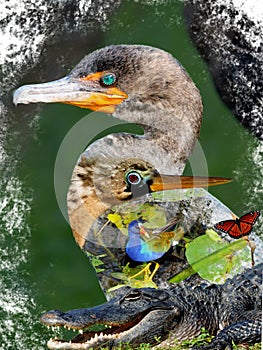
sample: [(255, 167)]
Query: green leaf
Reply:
[(116, 219), (96, 261), (213, 259)]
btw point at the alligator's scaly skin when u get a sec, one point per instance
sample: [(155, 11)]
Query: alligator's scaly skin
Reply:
[(231, 311)]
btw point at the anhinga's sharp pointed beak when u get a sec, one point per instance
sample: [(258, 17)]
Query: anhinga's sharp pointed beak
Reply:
[(172, 182), (84, 92)]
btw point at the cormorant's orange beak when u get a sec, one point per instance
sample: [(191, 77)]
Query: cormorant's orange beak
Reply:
[(173, 182), (85, 92)]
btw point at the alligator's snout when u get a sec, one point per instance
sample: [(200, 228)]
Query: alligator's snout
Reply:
[(70, 320), (53, 316), (128, 317)]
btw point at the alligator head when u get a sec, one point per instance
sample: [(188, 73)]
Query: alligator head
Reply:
[(133, 316), (179, 311)]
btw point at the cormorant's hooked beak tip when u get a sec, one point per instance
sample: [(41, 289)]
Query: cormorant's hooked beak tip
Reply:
[(44, 92), (172, 182), (18, 96)]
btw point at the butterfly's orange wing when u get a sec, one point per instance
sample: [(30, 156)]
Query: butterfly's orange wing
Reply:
[(225, 226), (250, 218), (240, 229), (247, 221)]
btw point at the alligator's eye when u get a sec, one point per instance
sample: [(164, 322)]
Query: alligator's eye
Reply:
[(108, 79), (133, 295), (133, 178)]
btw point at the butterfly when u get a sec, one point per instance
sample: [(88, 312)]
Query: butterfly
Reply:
[(239, 227)]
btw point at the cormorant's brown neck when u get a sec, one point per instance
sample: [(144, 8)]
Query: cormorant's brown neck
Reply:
[(171, 134)]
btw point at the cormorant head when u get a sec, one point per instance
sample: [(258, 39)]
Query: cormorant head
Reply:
[(122, 77)]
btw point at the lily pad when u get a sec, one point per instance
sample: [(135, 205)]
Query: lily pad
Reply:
[(216, 260)]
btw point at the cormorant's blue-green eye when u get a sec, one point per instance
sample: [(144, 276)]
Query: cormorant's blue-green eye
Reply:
[(108, 79)]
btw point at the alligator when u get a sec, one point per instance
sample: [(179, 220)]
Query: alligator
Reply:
[(230, 311)]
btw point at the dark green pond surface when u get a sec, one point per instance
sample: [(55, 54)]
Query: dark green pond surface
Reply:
[(57, 273)]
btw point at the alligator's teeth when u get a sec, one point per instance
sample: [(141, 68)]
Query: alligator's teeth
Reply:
[(74, 330), (101, 335), (81, 331), (96, 336), (53, 328), (65, 326), (48, 327)]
